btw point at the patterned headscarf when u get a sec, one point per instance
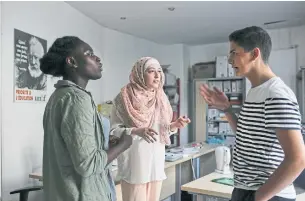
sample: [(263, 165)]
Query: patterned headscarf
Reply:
[(137, 106)]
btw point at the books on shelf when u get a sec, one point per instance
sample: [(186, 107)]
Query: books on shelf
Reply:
[(227, 86), (218, 127)]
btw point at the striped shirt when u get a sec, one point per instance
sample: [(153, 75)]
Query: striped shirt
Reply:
[(258, 153)]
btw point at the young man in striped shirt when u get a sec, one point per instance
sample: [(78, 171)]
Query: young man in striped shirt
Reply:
[(269, 153)]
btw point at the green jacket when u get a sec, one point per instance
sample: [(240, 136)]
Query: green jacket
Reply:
[(74, 158)]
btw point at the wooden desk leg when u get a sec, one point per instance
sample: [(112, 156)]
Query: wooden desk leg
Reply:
[(178, 182)]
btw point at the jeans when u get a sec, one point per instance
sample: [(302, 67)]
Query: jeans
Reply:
[(248, 195)]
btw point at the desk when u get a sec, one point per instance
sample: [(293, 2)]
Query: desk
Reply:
[(176, 166), (172, 185), (204, 186)]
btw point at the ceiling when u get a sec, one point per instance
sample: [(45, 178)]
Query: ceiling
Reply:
[(192, 23)]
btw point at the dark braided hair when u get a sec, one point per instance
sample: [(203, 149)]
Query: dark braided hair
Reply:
[(54, 61)]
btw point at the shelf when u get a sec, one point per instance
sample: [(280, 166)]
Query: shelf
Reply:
[(233, 107), (219, 134), (234, 93), (221, 78), (218, 121), (236, 97)]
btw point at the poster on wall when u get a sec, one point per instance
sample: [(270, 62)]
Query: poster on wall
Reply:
[(30, 83)]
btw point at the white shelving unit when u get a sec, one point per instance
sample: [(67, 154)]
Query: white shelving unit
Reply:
[(217, 124), (208, 122)]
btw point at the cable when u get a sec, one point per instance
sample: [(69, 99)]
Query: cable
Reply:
[(194, 175)]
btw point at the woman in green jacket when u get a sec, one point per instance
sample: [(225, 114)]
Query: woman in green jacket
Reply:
[(75, 158)]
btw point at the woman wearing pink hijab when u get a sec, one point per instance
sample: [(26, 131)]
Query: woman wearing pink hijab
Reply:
[(143, 111)]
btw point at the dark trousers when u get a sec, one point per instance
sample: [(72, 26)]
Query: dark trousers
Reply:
[(246, 195)]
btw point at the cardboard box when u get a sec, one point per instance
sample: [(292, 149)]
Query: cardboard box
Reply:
[(203, 70)]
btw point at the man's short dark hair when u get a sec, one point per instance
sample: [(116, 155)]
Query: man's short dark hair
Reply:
[(253, 37)]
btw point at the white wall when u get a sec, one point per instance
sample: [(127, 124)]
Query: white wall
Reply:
[(281, 39), (0, 102), (120, 53), (22, 123)]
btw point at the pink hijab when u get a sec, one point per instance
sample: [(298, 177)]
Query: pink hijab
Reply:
[(138, 107)]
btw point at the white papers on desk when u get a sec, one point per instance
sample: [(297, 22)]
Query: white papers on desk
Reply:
[(172, 156), (189, 151), (186, 151)]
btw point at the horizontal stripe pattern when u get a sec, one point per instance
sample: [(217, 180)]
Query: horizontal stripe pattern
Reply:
[(257, 152)]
